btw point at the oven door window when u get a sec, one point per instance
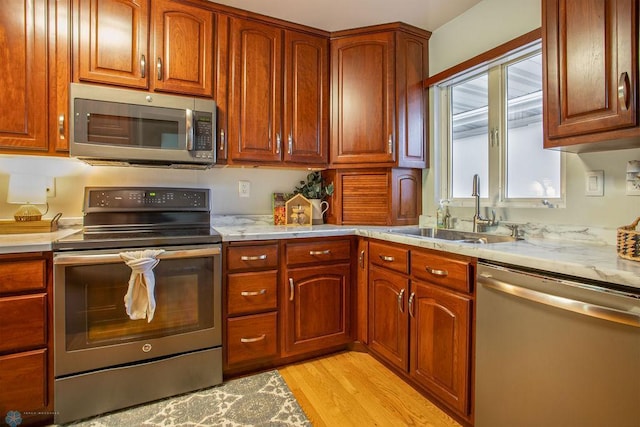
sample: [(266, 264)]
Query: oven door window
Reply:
[(96, 314), (136, 126)]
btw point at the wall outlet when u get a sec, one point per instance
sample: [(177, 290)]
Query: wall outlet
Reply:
[(51, 187), (244, 188)]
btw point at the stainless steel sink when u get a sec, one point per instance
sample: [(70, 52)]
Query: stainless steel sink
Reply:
[(455, 235)]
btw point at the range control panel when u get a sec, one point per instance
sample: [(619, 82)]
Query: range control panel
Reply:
[(106, 199)]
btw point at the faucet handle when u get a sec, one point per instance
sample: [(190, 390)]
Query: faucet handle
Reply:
[(515, 232)]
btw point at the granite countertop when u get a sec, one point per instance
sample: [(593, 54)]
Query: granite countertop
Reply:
[(595, 261)]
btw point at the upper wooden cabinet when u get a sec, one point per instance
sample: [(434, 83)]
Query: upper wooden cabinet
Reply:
[(378, 101), (277, 113), (591, 74), (255, 97), (166, 46), (34, 69)]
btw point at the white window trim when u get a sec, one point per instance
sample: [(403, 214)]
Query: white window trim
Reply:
[(442, 135)]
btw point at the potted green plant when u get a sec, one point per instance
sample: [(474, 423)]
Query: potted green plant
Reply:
[(313, 187), (315, 190)]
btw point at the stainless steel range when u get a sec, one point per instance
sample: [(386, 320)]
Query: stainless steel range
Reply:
[(137, 301)]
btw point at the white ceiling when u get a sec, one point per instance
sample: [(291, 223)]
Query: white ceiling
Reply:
[(334, 15)]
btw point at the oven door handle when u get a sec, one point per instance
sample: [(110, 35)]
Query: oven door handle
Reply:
[(109, 258)]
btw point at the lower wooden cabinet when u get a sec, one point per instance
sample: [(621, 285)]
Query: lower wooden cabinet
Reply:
[(279, 308), (388, 325), (26, 345), (251, 334), (316, 310), (252, 338), (420, 319), (440, 343)]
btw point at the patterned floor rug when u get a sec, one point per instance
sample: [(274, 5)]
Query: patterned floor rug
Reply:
[(258, 400)]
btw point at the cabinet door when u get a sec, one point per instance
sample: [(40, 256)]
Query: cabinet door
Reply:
[(255, 100), (440, 327), (24, 384), (591, 66), (306, 86), (317, 311), (388, 323), (412, 67), (23, 65), (183, 48), (363, 99), (112, 42)]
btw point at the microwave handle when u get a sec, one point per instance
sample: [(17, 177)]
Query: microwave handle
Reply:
[(190, 129)]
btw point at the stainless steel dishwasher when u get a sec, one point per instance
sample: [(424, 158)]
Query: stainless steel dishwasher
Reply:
[(555, 351)]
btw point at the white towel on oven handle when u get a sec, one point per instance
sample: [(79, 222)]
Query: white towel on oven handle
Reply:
[(140, 299)]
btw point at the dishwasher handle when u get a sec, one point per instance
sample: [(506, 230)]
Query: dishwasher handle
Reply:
[(581, 307)]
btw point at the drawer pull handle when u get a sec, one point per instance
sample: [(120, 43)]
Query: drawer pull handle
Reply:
[(411, 298), (401, 301), (291, 289), (436, 272), (361, 259), (253, 258), (253, 293), (325, 252), (250, 340), (387, 258)]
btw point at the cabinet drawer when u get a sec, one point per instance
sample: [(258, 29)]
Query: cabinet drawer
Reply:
[(252, 338), (24, 381), (252, 257), (23, 322), (252, 292), (452, 273), (314, 252), (391, 257), (16, 276)]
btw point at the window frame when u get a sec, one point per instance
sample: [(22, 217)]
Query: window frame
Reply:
[(497, 197)]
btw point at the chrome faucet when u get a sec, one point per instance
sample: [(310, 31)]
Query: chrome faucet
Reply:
[(477, 219)]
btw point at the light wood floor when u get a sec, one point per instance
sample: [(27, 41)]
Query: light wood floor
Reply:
[(354, 389)]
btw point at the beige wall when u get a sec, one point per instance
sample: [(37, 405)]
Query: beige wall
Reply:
[(223, 183), (485, 26)]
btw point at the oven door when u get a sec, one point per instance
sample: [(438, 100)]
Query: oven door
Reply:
[(92, 329)]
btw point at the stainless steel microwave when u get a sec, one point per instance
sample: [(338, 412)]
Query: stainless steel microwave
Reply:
[(124, 127)]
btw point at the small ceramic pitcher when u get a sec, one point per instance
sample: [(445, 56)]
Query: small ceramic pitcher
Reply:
[(319, 207)]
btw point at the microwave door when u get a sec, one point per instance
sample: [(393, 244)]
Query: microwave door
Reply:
[(115, 130)]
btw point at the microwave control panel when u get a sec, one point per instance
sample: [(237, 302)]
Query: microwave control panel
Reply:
[(203, 131)]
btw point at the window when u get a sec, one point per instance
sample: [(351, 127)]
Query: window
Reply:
[(492, 127)]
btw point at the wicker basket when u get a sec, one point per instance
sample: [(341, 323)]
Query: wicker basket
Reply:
[(628, 244)]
